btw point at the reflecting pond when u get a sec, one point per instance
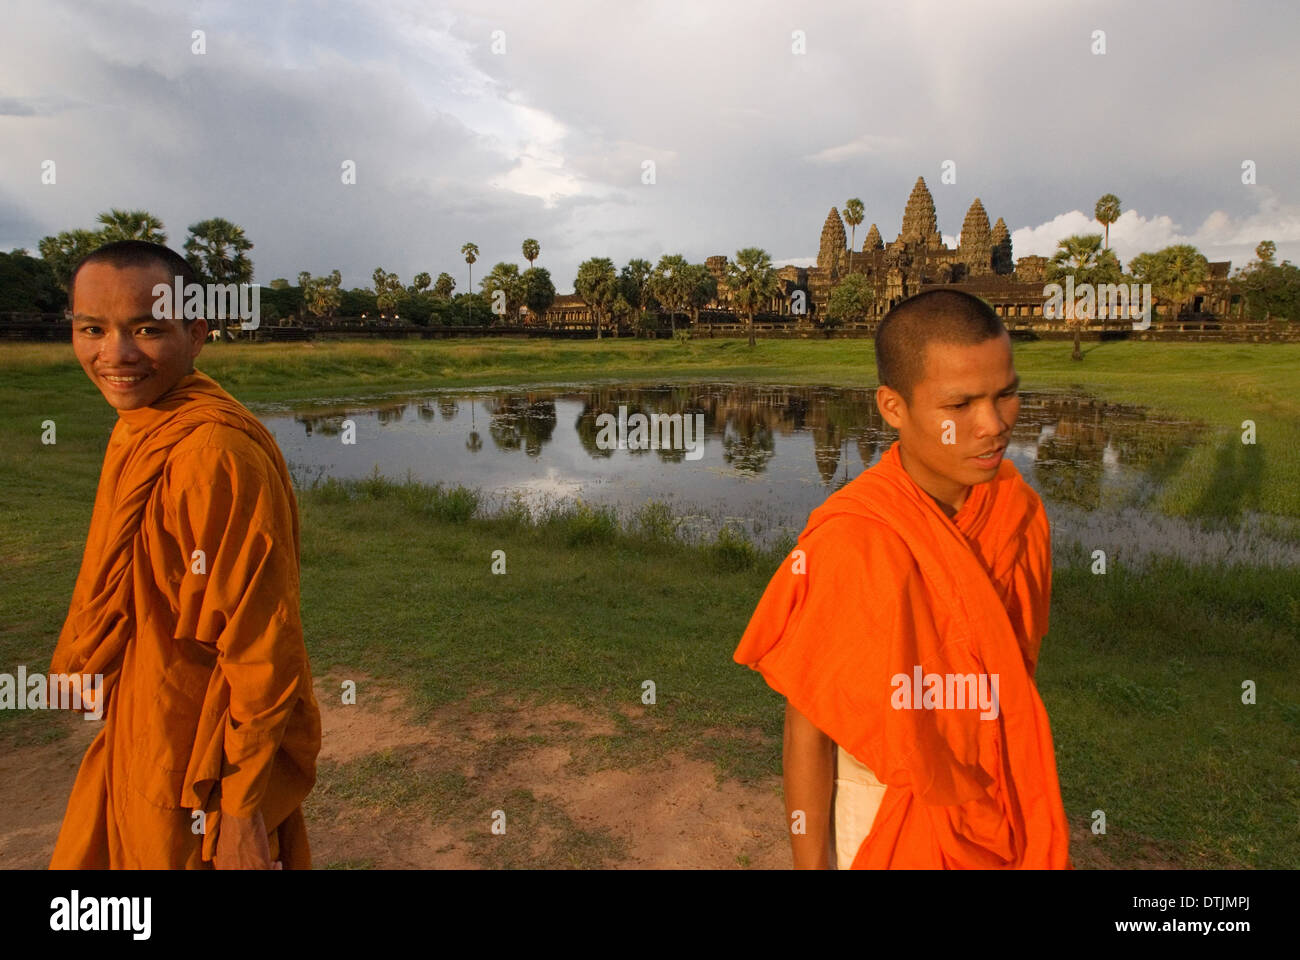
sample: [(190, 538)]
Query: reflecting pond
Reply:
[(767, 456)]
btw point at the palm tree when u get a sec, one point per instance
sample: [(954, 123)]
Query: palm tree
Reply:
[(703, 288), (1107, 212), (753, 283), (1174, 274), (854, 213), (505, 278), (539, 291), (321, 295), (671, 285), (64, 251), (597, 283), (1080, 255), (388, 290), (131, 225), (634, 285), (470, 252), (218, 251), (532, 250)]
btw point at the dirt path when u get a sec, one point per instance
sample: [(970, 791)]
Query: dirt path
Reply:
[(397, 792), (401, 792), (35, 782), (534, 763)]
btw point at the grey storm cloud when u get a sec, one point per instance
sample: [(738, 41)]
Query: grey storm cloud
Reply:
[(493, 122)]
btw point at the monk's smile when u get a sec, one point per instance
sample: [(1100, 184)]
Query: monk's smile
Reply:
[(131, 356)]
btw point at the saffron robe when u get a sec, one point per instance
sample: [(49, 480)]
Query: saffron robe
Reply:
[(209, 702), (892, 583)]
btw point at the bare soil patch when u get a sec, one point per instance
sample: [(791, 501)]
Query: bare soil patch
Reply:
[(401, 791), (35, 781), (672, 811)]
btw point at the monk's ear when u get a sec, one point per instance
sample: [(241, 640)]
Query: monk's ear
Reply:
[(890, 404), (198, 333)]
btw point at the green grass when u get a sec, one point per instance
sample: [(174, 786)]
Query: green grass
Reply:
[(1141, 673)]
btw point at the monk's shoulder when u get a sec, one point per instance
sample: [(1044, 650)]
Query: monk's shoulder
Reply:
[(213, 450), (1021, 488), (848, 538), (1029, 503)]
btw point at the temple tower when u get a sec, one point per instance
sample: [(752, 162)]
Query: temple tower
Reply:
[(920, 225), (834, 243), (873, 241), (975, 249), (1002, 262)]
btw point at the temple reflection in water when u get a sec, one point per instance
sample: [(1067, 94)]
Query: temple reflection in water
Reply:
[(1072, 449)]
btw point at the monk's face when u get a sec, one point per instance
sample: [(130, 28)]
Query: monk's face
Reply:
[(129, 355), (965, 406)]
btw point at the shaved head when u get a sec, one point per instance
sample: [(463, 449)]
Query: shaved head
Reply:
[(937, 316), (125, 254)]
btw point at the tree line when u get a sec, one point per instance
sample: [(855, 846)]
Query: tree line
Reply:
[(640, 295)]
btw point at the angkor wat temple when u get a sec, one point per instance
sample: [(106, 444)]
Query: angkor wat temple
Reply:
[(918, 259)]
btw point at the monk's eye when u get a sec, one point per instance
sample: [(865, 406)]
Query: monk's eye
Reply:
[(957, 406)]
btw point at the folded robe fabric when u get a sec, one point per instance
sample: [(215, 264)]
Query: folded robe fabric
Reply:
[(187, 604), (882, 582)]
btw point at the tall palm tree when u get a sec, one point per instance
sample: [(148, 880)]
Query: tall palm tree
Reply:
[(634, 285), (1107, 212), (854, 214), (532, 250), (1079, 255), (218, 251), (470, 252), (131, 225), (597, 284), (671, 285), (753, 283), (388, 290)]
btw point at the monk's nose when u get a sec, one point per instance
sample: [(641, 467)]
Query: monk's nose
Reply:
[(119, 349), (991, 423)]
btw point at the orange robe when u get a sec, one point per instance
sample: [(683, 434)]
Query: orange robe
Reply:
[(892, 583), (209, 702)]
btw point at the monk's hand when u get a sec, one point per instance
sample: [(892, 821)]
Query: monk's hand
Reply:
[(242, 844)]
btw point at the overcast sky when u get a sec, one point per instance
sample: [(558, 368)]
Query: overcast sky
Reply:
[(752, 142)]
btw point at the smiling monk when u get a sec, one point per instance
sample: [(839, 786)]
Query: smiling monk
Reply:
[(933, 570), (186, 603)]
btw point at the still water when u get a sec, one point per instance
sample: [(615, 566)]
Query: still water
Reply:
[(769, 454)]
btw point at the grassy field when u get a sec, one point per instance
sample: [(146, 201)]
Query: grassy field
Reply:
[(1141, 673)]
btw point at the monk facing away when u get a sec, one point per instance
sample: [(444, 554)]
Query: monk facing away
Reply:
[(904, 628), (186, 602)]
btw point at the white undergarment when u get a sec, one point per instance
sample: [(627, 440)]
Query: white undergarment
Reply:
[(854, 804)]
